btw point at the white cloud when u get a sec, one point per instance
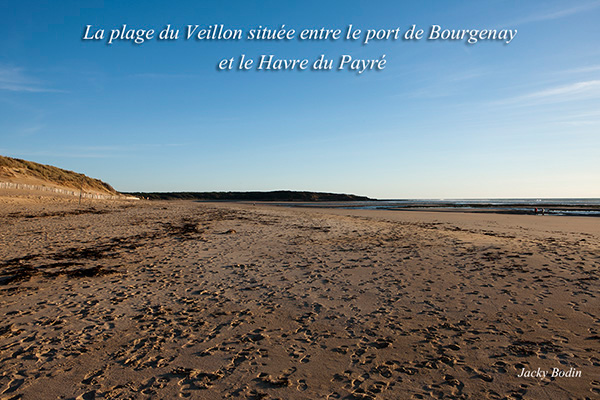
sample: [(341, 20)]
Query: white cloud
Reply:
[(581, 70), (556, 13), (32, 129), (437, 86), (15, 80), (558, 94), (577, 88), (93, 151)]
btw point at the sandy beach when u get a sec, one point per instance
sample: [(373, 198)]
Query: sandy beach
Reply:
[(161, 300)]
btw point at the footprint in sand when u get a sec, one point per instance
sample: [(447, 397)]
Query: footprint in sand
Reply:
[(595, 387), (13, 385), (302, 386)]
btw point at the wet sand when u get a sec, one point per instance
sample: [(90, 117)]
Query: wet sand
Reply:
[(114, 300)]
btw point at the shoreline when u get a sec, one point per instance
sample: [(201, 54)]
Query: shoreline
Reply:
[(517, 210)]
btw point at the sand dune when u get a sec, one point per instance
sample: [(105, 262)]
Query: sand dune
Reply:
[(141, 300), (30, 175)]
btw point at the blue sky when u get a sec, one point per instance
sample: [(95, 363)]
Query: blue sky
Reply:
[(443, 119)]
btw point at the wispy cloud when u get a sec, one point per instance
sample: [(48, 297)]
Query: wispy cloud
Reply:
[(558, 94), (451, 84), (557, 13), (152, 75), (131, 148), (577, 88), (15, 80), (57, 154), (92, 151), (579, 119), (583, 70), (31, 129)]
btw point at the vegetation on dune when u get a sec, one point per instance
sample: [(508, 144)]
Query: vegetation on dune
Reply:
[(15, 168)]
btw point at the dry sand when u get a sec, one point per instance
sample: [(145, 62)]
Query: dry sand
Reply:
[(164, 300)]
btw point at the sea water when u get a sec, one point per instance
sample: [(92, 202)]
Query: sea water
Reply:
[(571, 206)]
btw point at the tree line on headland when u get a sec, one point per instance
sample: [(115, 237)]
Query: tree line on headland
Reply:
[(279, 195)]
